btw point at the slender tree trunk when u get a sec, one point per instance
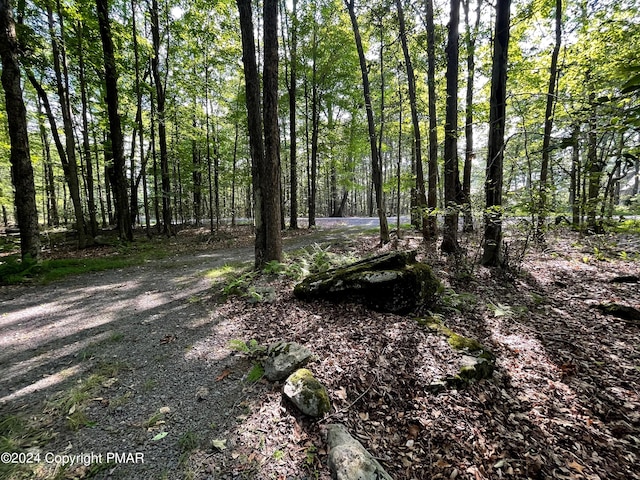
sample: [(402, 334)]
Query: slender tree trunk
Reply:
[(140, 124), (594, 170), (432, 196), (315, 127), (574, 194), (117, 175), (293, 145), (469, 151), (495, 155), (421, 200), (548, 126), (53, 218), (376, 163), (162, 128), (19, 157), (86, 144), (63, 97), (451, 173)]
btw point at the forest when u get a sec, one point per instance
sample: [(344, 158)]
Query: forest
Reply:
[(136, 114), (176, 178)]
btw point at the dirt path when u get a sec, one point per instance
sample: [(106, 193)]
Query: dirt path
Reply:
[(149, 339)]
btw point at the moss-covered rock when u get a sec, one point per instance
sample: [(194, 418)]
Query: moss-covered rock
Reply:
[(477, 363), (307, 393), (393, 282)]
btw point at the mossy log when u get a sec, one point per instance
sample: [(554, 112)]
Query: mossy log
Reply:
[(624, 312), (393, 282)]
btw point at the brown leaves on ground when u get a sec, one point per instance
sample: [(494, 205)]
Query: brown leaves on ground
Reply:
[(564, 401)]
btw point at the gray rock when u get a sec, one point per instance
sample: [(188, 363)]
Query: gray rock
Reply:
[(284, 358), (392, 282), (307, 393), (349, 460)]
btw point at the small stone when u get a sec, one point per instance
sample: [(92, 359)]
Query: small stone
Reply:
[(349, 460), (202, 393), (307, 393), (283, 359)]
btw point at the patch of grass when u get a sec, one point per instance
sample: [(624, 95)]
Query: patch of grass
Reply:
[(188, 442), (119, 401), (19, 435), (153, 420), (14, 271), (115, 337), (149, 385), (225, 271), (73, 402)]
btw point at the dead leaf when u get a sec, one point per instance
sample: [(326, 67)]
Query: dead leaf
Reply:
[(219, 444), (576, 466), (223, 375)]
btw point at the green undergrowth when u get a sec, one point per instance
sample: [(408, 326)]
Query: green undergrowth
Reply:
[(239, 280), (14, 270)]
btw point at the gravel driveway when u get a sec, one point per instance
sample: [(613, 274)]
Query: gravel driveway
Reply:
[(160, 352)]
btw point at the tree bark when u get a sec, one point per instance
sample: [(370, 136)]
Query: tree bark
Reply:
[(71, 171), (264, 153), (421, 200), (270, 175), (19, 157), (469, 151), (293, 145), (116, 172), (451, 173), (432, 195), (548, 125), (162, 128), (376, 163), (495, 156), (86, 144)]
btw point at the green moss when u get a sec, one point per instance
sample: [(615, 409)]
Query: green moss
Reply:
[(463, 343), (314, 393)]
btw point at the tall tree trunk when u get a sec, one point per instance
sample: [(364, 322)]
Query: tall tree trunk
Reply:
[(432, 195), (71, 171), (451, 173), (162, 128), (376, 163), (421, 200), (265, 158), (86, 144), (117, 175), (548, 126), (469, 151), (254, 119), (495, 155), (140, 125), (19, 157), (293, 145), (270, 174), (315, 127)]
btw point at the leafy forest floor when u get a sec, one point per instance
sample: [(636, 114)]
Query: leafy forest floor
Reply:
[(138, 360)]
